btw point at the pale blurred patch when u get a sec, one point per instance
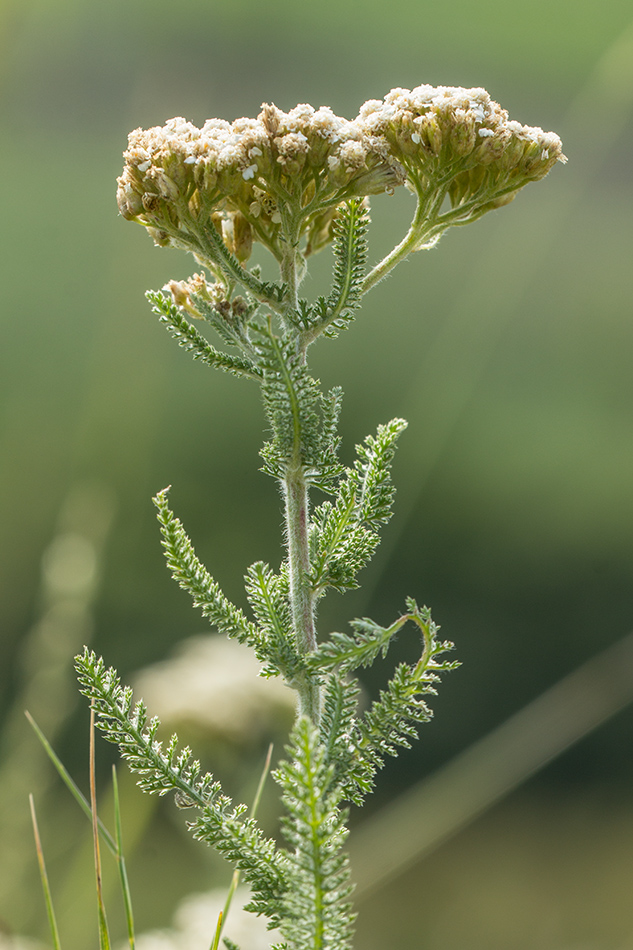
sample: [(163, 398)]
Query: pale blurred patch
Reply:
[(212, 682), (195, 921), (19, 943)]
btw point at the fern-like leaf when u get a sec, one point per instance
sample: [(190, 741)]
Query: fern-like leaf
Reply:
[(348, 653), (193, 577), (391, 721), (193, 341), (350, 258), (329, 315), (292, 400), (317, 912), (229, 323), (357, 745), (372, 474), (344, 535), (219, 822), (351, 774), (268, 595), (342, 544), (218, 252)]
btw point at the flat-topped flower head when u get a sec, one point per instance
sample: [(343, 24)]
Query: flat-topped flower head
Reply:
[(274, 178), (282, 178), (459, 143)]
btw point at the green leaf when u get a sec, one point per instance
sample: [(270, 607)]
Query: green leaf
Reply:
[(72, 787), (268, 595), (342, 545), (350, 652), (123, 878), (189, 338), (330, 469), (48, 900), (391, 721), (292, 401), (357, 745), (219, 823), (331, 314), (344, 534), (338, 722), (218, 252), (372, 474), (193, 577), (350, 258), (317, 912)]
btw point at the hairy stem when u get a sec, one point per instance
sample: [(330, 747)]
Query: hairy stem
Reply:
[(419, 234), (301, 596), (289, 264)]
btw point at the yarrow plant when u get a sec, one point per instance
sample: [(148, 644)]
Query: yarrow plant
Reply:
[(296, 182)]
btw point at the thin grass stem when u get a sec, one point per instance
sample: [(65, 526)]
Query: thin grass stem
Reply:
[(235, 880), (104, 936), (48, 900), (72, 787), (120, 859)]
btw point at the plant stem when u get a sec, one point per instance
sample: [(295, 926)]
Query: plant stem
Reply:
[(410, 242), (301, 595), (295, 490), (289, 260)]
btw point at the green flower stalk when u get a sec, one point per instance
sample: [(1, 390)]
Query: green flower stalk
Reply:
[(296, 182)]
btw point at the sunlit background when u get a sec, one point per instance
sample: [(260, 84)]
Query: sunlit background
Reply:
[(509, 349)]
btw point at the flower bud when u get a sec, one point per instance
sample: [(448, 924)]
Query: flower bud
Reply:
[(180, 292), (166, 186), (160, 237), (462, 133), (378, 180), (151, 202), (128, 199), (431, 133), (242, 237)]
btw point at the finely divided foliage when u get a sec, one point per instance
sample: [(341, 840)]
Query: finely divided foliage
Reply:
[(317, 912), (295, 182)]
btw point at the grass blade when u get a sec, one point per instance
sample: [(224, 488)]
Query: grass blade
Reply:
[(74, 790), (218, 931), (44, 878), (235, 880), (104, 936), (120, 859)]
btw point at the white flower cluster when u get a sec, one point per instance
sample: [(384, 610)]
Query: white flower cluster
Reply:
[(460, 142), (282, 175), (300, 164)]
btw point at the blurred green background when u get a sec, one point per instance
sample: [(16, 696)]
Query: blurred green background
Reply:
[(508, 348)]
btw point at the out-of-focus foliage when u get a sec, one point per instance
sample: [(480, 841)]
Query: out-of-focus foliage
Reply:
[(511, 360)]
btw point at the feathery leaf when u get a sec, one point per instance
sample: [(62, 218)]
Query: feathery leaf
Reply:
[(344, 534), (316, 909), (219, 823), (268, 595), (194, 578), (390, 723), (193, 341), (292, 401)]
